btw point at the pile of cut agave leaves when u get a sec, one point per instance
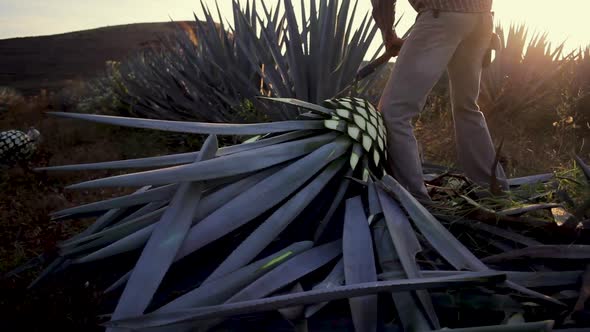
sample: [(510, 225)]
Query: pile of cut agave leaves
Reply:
[(309, 220)]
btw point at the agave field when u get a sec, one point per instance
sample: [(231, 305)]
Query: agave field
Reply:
[(293, 222), (266, 52)]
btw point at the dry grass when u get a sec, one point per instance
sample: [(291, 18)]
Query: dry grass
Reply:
[(534, 141)]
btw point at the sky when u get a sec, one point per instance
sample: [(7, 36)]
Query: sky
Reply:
[(563, 20)]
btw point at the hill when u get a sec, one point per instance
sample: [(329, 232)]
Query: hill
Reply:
[(50, 62)]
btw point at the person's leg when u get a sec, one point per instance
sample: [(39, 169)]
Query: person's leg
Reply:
[(420, 64), (475, 149)]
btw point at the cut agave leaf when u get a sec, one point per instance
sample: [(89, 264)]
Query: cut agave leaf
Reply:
[(437, 235), (546, 326), (207, 205), (198, 127), (252, 139), (307, 297), (111, 234), (374, 121), (381, 143), (276, 223), (355, 156), (359, 263), (443, 241), (163, 245), (107, 219), (406, 246), (407, 307), (293, 313), (545, 279), (372, 131), (345, 103), (128, 243), (302, 104), (170, 160), (476, 301), (376, 157), (373, 200), (55, 265), (344, 113), (573, 251), (506, 234), (269, 191), (366, 171), (179, 159), (335, 124), (529, 180), (225, 166), (338, 197), (285, 274), (354, 132), (240, 210), (367, 142), (146, 209), (360, 122), (334, 279), (292, 270), (220, 290), (156, 194)]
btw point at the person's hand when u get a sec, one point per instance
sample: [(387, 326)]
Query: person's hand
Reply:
[(392, 42)]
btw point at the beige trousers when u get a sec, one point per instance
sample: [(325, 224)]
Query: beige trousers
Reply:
[(456, 42)]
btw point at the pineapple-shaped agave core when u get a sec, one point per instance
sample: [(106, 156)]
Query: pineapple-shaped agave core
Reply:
[(17, 146), (363, 123)]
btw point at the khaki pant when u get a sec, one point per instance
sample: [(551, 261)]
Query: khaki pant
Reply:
[(456, 42)]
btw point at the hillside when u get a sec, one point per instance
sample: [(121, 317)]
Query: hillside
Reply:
[(33, 63)]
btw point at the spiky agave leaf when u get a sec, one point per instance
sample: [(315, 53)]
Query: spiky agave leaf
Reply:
[(411, 316), (359, 263), (308, 297), (179, 159), (406, 248), (448, 246), (164, 243), (285, 274), (334, 279), (262, 52), (221, 289), (276, 223)]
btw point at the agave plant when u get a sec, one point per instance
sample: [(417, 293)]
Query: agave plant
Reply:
[(581, 70), (303, 205), (523, 73), (262, 53)]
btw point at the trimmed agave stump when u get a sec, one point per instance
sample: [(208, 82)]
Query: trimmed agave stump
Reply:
[(302, 217)]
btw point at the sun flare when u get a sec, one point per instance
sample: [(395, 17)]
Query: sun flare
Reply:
[(563, 21)]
